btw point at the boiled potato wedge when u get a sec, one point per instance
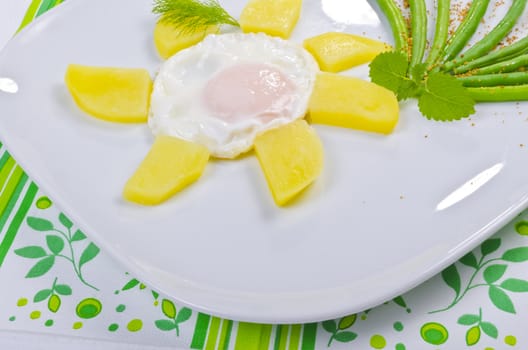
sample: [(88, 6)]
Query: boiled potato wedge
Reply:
[(169, 40), (273, 17), (291, 158), (353, 103), (171, 165), (336, 52), (112, 94)]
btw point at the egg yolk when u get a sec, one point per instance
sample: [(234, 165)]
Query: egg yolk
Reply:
[(249, 90)]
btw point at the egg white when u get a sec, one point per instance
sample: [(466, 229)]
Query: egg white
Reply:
[(177, 107)]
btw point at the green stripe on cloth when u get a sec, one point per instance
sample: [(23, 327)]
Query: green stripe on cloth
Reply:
[(17, 221), (35, 9), (281, 337), (265, 337), (295, 337), (278, 334), (45, 6), (252, 336), (10, 187), (6, 171), (200, 331), (308, 338), (3, 160), (12, 201), (213, 334), (225, 335), (30, 14)]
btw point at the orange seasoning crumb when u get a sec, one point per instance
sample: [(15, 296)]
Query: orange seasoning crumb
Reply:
[(463, 12)]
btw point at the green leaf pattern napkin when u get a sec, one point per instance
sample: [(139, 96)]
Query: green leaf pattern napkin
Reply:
[(54, 280)]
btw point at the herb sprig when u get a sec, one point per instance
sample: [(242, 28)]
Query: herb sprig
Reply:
[(440, 96), (192, 15)]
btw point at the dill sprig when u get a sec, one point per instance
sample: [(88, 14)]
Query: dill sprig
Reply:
[(192, 15)]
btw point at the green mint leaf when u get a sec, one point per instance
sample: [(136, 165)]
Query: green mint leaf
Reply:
[(409, 89), (445, 99), (418, 72), (389, 69)]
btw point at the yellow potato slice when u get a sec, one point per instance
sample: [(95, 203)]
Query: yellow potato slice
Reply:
[(171, 165), (353, 103), (291, 158), (169, 40), (112, 94), (336, 52), (273, 17)]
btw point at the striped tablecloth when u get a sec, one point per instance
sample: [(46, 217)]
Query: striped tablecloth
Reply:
[(58, 290)]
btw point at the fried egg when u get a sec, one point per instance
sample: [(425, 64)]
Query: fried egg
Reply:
[(229, 88)]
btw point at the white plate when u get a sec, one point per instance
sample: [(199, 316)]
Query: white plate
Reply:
[(388, 213)]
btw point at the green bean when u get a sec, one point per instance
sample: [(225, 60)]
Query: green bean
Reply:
[(516, 78), (499, 93), (504, 66), (466, 29), (501, 54), (490, 40), (418, 30), (441, 31), (397, 22)]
